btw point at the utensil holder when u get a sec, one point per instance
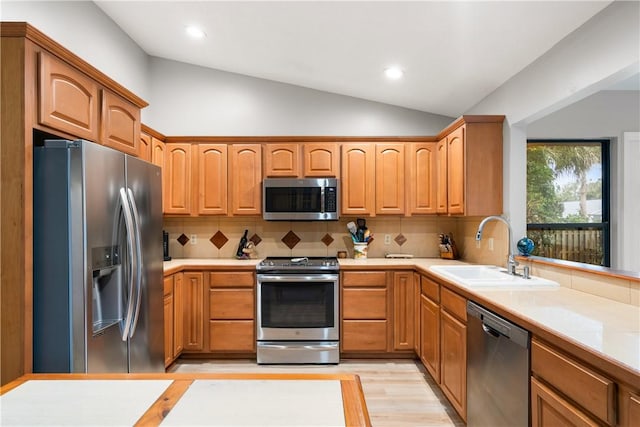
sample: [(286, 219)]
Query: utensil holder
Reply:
[(360, 250)]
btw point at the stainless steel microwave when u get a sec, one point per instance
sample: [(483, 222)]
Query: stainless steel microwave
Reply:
[(300, 199)]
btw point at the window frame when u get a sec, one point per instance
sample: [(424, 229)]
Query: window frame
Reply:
[(605, 224)]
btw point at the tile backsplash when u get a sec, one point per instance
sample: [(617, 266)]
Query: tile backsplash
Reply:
[(418, 235)]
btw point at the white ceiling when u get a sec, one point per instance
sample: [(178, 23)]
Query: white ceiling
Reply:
[(454, 53)]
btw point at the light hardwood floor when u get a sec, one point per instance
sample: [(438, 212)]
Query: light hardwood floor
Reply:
[(398, 392)]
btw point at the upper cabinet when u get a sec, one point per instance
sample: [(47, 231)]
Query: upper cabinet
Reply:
[(68, 99), (120, 124), (298, 160), (72, 102), (144, 146), (358, 179), (390, 190), (177, 179), (469, 160), (210, 179), (421, 178), (245, 179)]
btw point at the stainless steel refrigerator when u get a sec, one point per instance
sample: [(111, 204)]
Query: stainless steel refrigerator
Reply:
[(97, 277)]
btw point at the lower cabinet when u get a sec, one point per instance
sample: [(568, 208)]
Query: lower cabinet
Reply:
[(548, 408), (173, 317), (232, 312), (453, 373), (403, 310), (629, 406), (193, 287)]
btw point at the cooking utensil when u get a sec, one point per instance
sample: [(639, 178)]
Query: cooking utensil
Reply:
[(351, 226)]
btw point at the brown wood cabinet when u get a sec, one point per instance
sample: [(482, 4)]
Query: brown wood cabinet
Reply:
[(453, 347), (298, 160), (421, 178), (178, 175), (321, 159), (178, 314), (550, 409), (473, 163), (282, 160), (194, 311), (145, 146), (120, 123), (158, 154), (358, 179), (562, 379), (168, 320), (210, 179), (629, 406), (430, 326), (232, 312), (245, 190), (365, 312), (67, 98), (390, 180), (403, 310), (416, 314)]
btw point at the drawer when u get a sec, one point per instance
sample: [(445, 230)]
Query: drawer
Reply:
[(231, 280), (364, 335), (364, 303), (231, 303), (453, 303), (580, 384), (232, 335), (364, 279), (430, 288), (168, 285)]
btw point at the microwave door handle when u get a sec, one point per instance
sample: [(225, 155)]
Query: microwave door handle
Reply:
[(322, 199)]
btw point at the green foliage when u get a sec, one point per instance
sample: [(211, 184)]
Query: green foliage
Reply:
[(543, 204)]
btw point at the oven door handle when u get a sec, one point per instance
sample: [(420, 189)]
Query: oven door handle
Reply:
[(297, 278)]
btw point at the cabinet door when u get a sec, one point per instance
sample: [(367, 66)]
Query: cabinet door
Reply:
[(177, 191), (211, 181), (390, 181), (403, 309), (430, 336), (320, 159), (421, 178), (232, 335), (453, 374), (364, 303), (120, 123), (194, 316), (416, 313), (246, 177), (68, 100), (231, 304), (456, 171), (178, 314), (281, 160), (550, 409), (441, 172), (144, 147), (629, 404), (158, 154), (168, 330), (358, 178)]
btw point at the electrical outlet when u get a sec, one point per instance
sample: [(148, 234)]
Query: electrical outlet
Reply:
[(490, 245), (193, 239), (387, 239)]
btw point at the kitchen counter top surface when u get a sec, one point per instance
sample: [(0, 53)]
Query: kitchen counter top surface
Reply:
[(603, 327)]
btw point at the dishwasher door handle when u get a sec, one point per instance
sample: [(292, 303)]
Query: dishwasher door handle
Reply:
[(489, 330)]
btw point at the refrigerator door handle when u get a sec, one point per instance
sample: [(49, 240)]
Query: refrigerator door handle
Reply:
[(138, 266), (128, 221)]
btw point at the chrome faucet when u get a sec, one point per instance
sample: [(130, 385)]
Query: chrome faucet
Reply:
[(511, 261)]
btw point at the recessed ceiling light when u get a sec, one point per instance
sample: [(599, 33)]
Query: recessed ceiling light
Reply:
[(393, 73), (195, 32)]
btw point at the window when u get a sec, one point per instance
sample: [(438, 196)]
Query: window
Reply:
[(568, 199)]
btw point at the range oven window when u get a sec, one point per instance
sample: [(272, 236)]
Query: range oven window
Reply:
[(297, 305), (293, 199)]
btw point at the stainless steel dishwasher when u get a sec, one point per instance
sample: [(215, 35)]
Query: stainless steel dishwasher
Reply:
[(497, 370)]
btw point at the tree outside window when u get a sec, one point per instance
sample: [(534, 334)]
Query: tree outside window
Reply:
[(568, 199)]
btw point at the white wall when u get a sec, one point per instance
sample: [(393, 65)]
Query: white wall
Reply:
[(604, 51), (192, 100), (85, 30)]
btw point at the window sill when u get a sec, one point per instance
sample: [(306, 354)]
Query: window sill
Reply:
[(632, 276)]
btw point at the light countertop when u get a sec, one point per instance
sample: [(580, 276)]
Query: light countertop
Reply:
[(606, 328)]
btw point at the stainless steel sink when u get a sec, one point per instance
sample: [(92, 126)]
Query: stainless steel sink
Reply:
[(483, 276)]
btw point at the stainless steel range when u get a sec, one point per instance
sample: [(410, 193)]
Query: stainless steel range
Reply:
[(298, 310)]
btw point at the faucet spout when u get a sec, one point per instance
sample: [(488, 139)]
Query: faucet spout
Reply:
[(511, 261)]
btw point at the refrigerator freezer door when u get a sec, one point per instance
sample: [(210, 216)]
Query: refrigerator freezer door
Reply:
[(146, 344)]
